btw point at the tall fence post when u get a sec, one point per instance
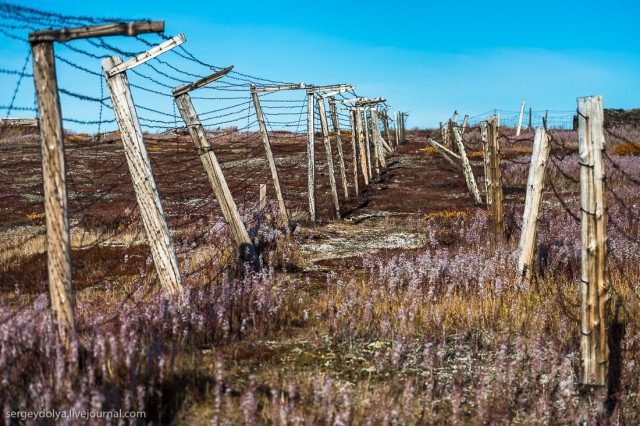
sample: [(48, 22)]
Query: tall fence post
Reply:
[(533, 202), (529, 127), (367, 140), (377, 137), (466, 167), (144, 183), (520, 119), (336, 129), (55, 188), (239, 232), (387, 130), (362, 145), (327, 146), (495, 177), (284, 215), (595, 288), (311, 158), (354, 150), (484, 136)]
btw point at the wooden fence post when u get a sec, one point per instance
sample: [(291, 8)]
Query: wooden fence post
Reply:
[(365, 120), (495, 177), (143, 181), (55, 188), (354, 150), (465, 122), (221, 190), (450, 137), (377, 137), (447, 154), (311, 158), (533, 202), (336, 129), (284, 215), (263, 197), (484, 135), (529, 127), (362, 145), (520, 119), (595, 288), (327, 146), (387, 130), (466, 167)]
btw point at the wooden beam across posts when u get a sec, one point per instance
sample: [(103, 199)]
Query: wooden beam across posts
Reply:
[(284, 215), (520, 119), (354, 151), (311, 158), (143, 181), (333, 87), (279, 88), (446, 154), (466, 167), (55, 189), (203, 81), (246, 250), (124, 28), (595, 286), (533, 202), (327, 146), (362, 148), (336, 129), (495, 177), (148, 55)]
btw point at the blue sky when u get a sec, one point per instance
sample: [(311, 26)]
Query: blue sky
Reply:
[(425, 57)]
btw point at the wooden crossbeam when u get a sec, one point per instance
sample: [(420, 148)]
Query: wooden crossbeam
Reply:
[(317, 89), (181, 90), (149, 54), (335, 92), (278, 88), (122, 28)]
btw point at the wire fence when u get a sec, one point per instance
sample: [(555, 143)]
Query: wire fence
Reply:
[(108, 239)]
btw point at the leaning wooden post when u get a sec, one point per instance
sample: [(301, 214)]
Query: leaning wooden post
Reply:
[(466, 167), (361, 144), (354, 150), (387, 130), (495, 175), (327, 146), (595, 288), (55, 188), (311, 158), (336, 129), (520, 119), (143, 181), (284, 215), (451, 157), (533, 202), (221, 190), (465, 122)]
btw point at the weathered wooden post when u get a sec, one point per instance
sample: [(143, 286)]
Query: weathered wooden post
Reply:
[(466, 167), (450, 137), (377, 137), (263, 197), (336, 129), (387, 130), (55, 188), (367, 139), (484, 135), (153, 217), (311, 158), (327, 146), (354, 150), (495, 177), (361, 144), (529, 127), (465, 122), (520, 119), (246, 250), (533, 202), (284, 215), (53, 159), (448, 155), (595, 287)]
